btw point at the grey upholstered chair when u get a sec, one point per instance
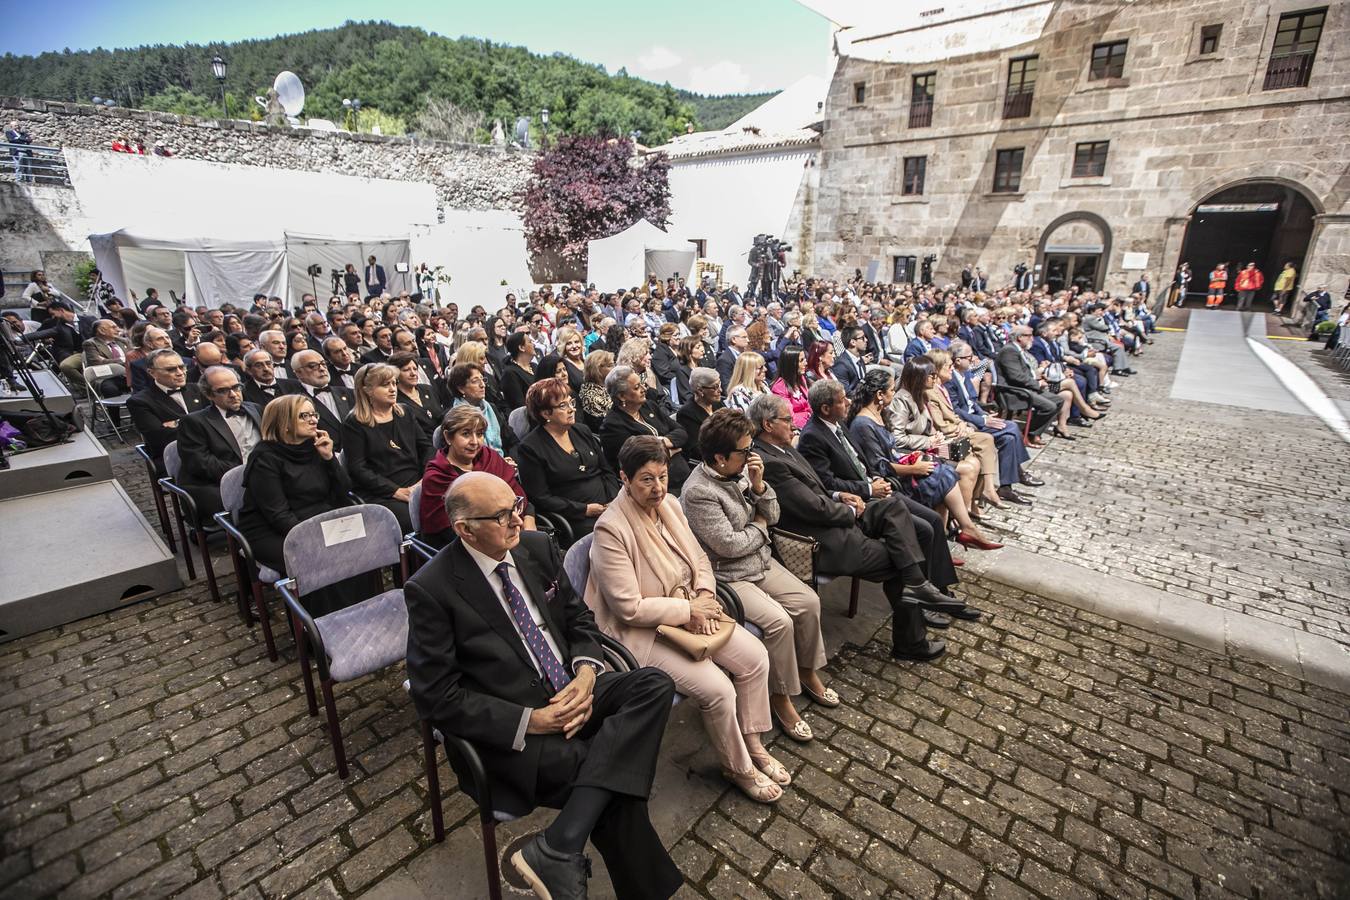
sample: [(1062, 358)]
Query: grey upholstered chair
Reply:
[(359, 639), (519, 422), (250, 576)]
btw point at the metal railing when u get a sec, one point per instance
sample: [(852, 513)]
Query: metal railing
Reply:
[(1290, 71), (921, 114), (33, 164), (1017, 105)]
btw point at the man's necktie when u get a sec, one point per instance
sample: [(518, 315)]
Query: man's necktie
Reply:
[(534, 637), (852, 457)]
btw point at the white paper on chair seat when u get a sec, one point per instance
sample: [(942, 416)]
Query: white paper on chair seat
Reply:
[(101, 371), (340, 531)]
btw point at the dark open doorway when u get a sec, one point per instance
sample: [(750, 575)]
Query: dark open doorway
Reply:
[(1262, 222)]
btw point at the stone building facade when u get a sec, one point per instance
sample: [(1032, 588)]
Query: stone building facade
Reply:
[(1097, 140)]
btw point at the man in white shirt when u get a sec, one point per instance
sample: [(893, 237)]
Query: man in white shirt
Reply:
[(274, 342)]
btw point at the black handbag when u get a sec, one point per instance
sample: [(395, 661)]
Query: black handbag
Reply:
[(958, 449)]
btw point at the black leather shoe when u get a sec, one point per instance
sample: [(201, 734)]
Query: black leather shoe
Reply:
[(924, 652), (1008, 494), (561, 876), (927, 596), (936, 620), (1063, 435), (969, 614), (1079, 422), (1029, 480)]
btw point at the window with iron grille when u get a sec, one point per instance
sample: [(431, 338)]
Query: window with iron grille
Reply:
[(859, 91), (1008, 171), (922, 89), (1209, 39), (1089, 159), (1021, 86), (1291, 57), (1108, 60), (916, 167)]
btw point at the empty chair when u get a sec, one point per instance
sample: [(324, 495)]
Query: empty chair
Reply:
[(358, 639)]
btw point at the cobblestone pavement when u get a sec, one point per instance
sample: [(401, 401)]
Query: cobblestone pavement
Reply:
[(1054, 754), (1235, 507), (155, 751)]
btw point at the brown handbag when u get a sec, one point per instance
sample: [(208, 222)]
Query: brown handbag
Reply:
[(697, 647), (797, 553)]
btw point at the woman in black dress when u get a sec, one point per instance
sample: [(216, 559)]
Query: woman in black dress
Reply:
[(562, 465), (634, 413), (386, 450), (292, 475), (497, 331), (517, 373), (418, 399)]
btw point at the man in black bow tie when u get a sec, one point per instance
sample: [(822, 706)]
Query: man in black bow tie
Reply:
[(156, 410), (216, 439), (331, 401), (261, 385)]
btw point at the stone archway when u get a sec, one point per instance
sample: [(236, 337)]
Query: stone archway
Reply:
[(1266, 221), (1074, 249)]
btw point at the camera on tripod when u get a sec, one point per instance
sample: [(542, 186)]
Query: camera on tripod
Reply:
[(767, 255)]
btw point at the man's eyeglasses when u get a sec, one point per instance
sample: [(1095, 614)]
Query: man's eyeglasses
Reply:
[(235, 388), (170, 368), (502, 518)]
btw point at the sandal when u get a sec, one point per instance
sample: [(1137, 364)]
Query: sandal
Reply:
[(829, 698), (800, 732), (772, 769), (755, 786)]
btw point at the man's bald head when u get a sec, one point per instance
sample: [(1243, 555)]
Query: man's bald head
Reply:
[(472, 500), (208, 354)]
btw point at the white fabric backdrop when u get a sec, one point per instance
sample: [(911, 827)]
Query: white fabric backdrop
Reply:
[(215, 277), (620, 261), (159, 269)]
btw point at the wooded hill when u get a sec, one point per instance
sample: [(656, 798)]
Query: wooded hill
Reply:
[(395, 70)]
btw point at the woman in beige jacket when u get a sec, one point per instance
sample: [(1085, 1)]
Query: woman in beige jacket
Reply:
[(647, 570), (953, 428)]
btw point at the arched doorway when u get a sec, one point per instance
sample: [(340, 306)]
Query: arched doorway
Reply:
[(1265, 222), (1074, 250)]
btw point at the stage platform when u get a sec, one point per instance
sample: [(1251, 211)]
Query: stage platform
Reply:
[(53, 391), (81, 461), (75, 552)]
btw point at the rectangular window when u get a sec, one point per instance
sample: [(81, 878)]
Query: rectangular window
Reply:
[(1089, 159), (1291, 58), (1108, 60), (859, 92), (1209, 39), (922, 89), (915, 169), (903, 269), (1021, 86), (1008, 171)]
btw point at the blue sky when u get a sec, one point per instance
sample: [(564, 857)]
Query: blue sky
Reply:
[(711, 46)]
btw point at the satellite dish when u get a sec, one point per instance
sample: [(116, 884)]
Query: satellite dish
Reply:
[(523, 132), (290, 92)]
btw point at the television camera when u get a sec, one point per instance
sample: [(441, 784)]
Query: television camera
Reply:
[(767, 255)]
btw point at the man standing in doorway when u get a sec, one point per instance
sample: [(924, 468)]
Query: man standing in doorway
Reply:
[(374, 278), (1249, 281)]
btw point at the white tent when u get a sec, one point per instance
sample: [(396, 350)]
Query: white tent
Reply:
[(483, 252), (222, 268), (626, 258)]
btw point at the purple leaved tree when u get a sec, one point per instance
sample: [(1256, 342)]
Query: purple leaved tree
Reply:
[(584, 188)]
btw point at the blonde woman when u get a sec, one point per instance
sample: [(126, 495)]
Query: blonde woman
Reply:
[(386, 450), (749, 379), (954, 428), (569, 346), (636, 353), (594, 400)]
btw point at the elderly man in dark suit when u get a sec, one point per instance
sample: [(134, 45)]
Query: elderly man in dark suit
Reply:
[(830, 449), (261, 385), (214, 440), (876, 541), (503, 652), (331, 401), (157, 409), (1018, 368), (1012, 452), (737, 343)]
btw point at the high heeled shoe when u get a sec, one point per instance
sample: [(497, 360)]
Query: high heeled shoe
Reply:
[(967, 539), (1062, 434)]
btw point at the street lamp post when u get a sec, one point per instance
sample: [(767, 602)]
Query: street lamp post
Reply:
[(218, 70), (354, 104), (543, 121)]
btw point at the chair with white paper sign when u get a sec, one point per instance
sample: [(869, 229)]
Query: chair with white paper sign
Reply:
[(358, 639)]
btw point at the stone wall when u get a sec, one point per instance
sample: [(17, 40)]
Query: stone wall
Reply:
[(466, 176), (1181, 127)]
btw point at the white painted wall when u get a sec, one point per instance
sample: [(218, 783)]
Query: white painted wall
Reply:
[(727, 200)]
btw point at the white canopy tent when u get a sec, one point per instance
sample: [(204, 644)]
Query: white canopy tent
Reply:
[(627, 258), (221, 233)]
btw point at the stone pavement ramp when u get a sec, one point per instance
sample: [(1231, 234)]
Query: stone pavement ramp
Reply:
[(1217, 367)]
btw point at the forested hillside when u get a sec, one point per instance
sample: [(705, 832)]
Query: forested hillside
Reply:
[(395, 71)]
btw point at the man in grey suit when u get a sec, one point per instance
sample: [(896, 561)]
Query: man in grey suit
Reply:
[(1018, 368)]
